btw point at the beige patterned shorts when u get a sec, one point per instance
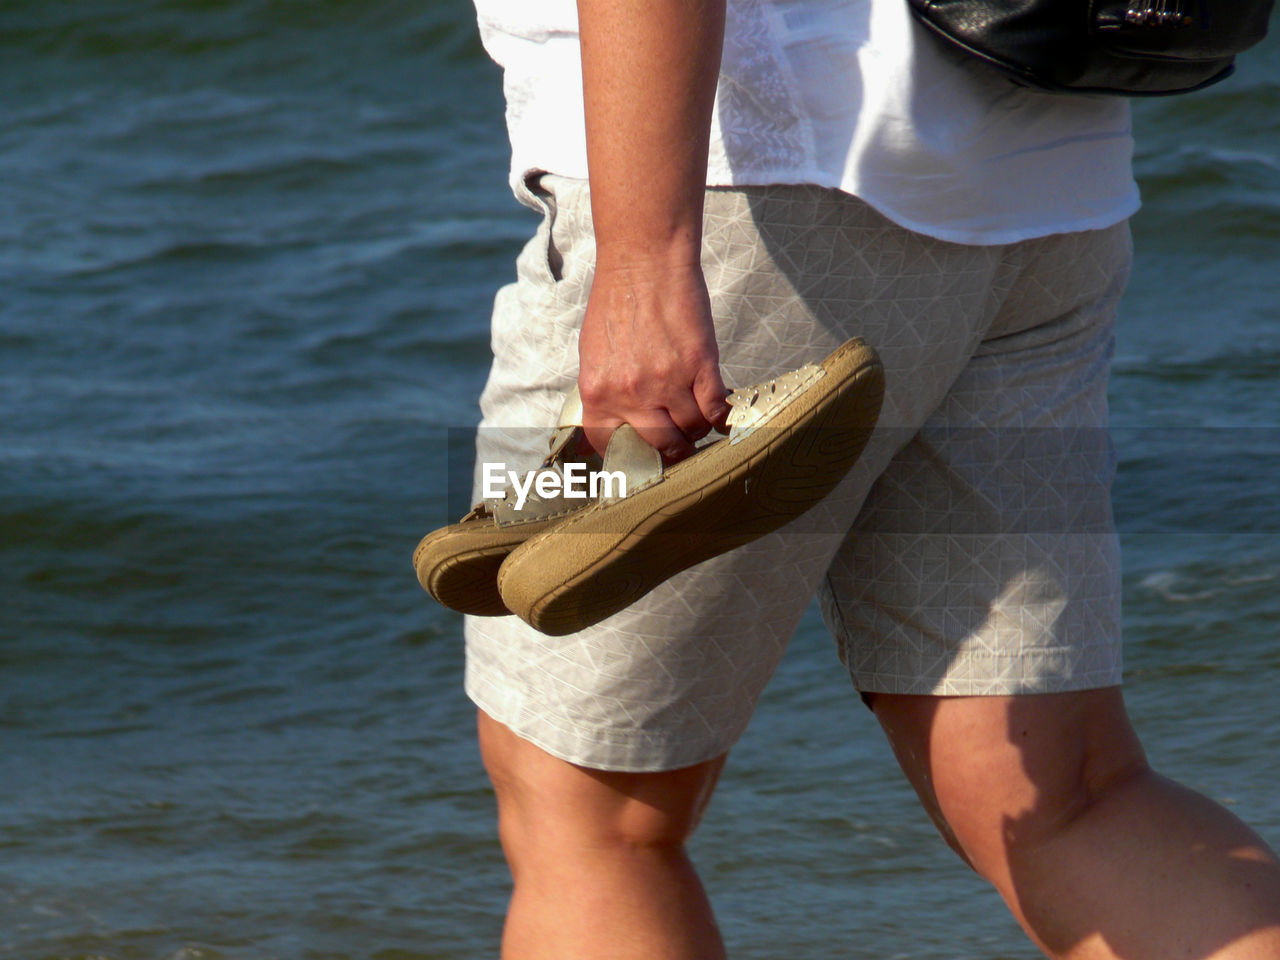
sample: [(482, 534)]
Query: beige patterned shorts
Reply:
[(970, 552)]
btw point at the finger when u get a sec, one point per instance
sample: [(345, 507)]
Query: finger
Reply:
[(710, 392), (661, 433), (686, 414), (598, 435)]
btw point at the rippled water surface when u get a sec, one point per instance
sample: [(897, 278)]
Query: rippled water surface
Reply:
[(247, 252)]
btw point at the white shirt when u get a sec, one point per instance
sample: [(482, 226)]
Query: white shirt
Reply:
[(854, 95)]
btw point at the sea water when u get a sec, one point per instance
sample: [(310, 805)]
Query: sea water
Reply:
[(247, 254)]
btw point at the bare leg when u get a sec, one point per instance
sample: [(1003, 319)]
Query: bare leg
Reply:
[(1051, 799), (598, 858)]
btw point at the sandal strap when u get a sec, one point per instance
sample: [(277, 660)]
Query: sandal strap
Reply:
[(568, 426), (752, 407), (565, 445), (631, 455)]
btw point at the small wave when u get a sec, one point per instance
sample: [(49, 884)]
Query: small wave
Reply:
[(1246, 580), (97, 729), (91, 31), (183, 252), (196, 26), (453, 347), (1240, 159), (1239, 579), (1205, 164), (462, 240), (1242, 95), (1175, 588), (65, 109), (1227, 365), (297, 173), (1228, 113), (13, 340)]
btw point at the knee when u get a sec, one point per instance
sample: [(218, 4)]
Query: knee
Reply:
[(999, 817), (548, 805), (1004, 777)]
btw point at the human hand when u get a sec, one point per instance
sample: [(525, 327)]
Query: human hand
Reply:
[(648, 357)]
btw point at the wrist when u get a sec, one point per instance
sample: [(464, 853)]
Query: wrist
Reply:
[(648, 255)]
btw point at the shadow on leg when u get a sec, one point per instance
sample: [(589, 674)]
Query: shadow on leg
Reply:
[(1051, 799)]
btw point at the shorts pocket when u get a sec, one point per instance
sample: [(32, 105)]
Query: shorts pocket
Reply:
[(548, 263)]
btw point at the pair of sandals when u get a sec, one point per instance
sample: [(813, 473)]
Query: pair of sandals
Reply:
[(562, 563)]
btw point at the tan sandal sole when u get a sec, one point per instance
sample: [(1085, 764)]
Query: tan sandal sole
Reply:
[(607, 556), (458, 564)]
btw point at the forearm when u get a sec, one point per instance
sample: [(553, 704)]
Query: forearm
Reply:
[(647, 349), (649, 79)]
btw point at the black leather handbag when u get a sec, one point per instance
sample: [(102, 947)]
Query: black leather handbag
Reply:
[(1121, 47)]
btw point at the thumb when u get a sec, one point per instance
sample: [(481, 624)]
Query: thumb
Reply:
[(710, 392)]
